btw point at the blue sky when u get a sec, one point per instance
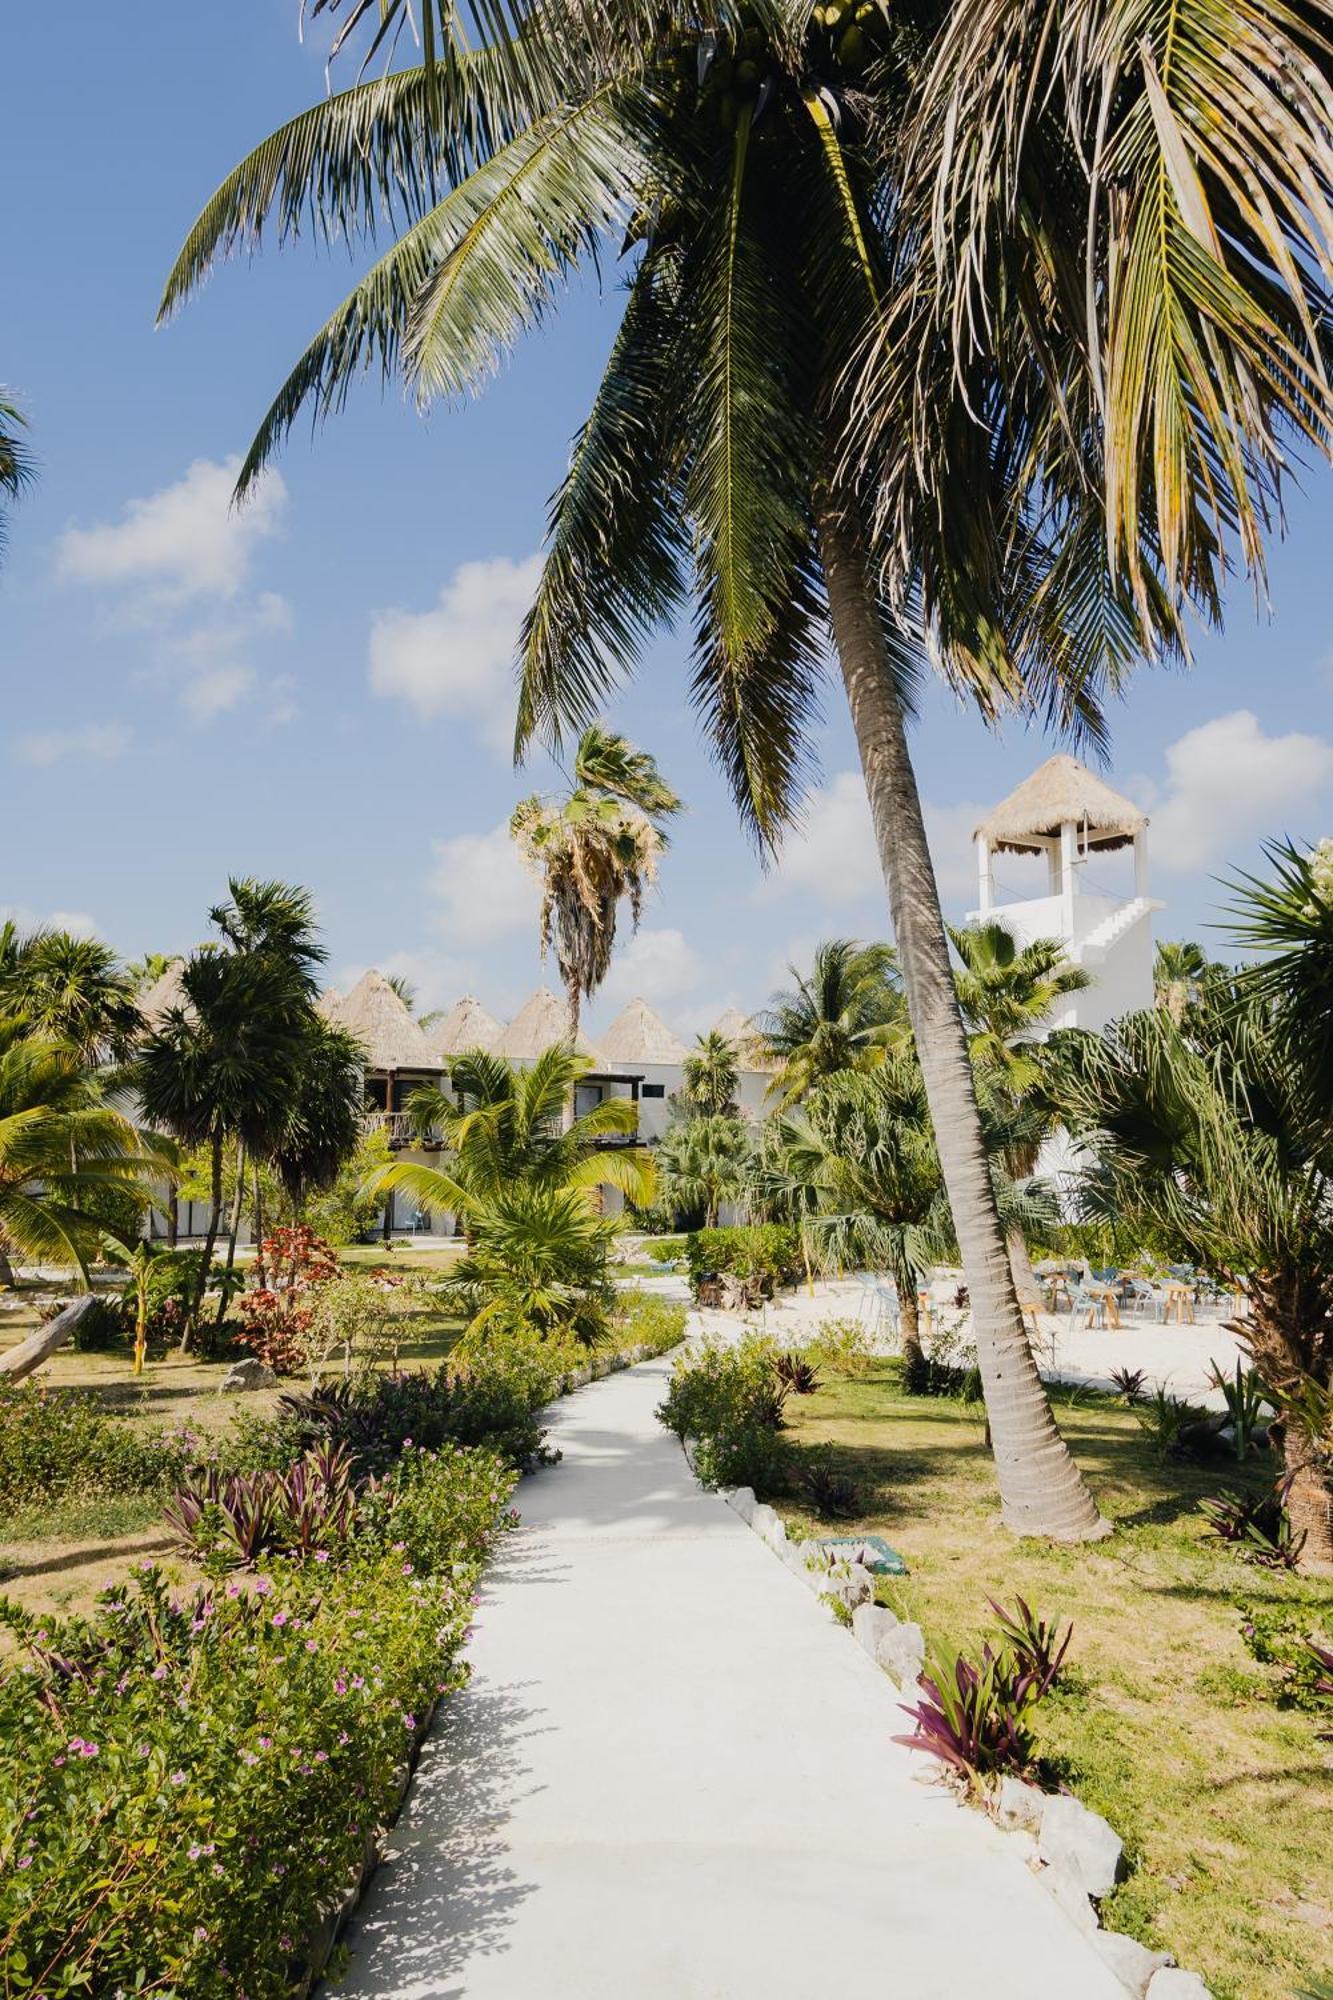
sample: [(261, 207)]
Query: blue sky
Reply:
[(318, 688)]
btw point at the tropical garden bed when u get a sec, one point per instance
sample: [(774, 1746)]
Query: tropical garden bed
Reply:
[(1166, 1724)]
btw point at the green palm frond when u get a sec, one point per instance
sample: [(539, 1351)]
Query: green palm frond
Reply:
[(18, 467)]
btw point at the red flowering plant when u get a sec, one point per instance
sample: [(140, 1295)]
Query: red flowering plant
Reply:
[(276, 1316)]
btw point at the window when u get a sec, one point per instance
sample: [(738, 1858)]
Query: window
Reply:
[(653, 1090)]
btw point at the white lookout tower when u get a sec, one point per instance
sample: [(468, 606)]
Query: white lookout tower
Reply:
[(1066, 813)]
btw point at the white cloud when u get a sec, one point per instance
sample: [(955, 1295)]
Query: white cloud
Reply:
[(834, 857), (186, 540), (657, 964), (77, 922), (457, 659), (481, 888), (1227, 782), (94, 742), (213, 693)]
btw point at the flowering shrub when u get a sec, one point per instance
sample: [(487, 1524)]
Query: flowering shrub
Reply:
[(59, 1442), (184, 1780), (277, 1316)]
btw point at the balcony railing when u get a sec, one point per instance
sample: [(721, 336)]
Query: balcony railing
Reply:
[(397, 1127)]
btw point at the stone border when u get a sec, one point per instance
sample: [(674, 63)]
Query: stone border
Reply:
[(1072, 1851)]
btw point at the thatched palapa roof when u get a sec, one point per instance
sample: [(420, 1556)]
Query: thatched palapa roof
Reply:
[(739, 1030), (640, 1036), (165, 993), (373, 1012), (540, 1021), (467, 1025), (1059, 791)]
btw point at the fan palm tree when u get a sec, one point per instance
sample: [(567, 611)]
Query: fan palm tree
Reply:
[(1065, 329), (1007, 993), (75, 990), (841, 1015), (52, 1108), (538, 1255), (702, 1162), (1178, 973), (17, 467), (711, 1077), (592, 850)]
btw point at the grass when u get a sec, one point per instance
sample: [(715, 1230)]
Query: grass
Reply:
[(1225, 1800), (57, 1557)]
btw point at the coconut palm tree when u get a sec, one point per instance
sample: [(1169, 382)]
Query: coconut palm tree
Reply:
[(703, 1161), (711, 1077), (52, 1109), (1178, 973), (1065, 345), (841, 1015), (17, 467), (1007, 993), (591, 850)]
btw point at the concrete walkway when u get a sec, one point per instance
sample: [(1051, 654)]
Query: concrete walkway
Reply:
[(672, 1779)]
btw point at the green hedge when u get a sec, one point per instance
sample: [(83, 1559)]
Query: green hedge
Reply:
[(58, 1443), (186, 1778), (768, 1253)]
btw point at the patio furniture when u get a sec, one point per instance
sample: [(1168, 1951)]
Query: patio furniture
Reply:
[(1179, 1302), (1090, 1300)]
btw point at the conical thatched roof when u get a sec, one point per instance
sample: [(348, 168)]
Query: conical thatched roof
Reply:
[(373, 1012), (640, 1036), (165, 993), (467, 1025), (540, 1021), (739, 1030), (1062, 789)]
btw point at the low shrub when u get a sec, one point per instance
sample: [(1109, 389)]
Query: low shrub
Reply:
[(61, 1442), (830, 1493), (766, 1254), (842, 1347), (1286, 1639), (1174, 1428), (186, 1778), (1129, 1383), (641, 1319), (729, 1400), (100, 1328)]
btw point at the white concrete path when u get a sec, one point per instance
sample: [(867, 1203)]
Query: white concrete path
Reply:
[(672, 1779)]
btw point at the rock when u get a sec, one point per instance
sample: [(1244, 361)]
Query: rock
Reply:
[(1131, 1962), (1082, 1839), (743, 1500), (1173, 1984), (688, 1446), (774, 1532), (814, 1567), (902, 1654), (764, 1521), (792, 1557), (850, 1585), (1018, 1804), (252, 1373), (1060, 1880)]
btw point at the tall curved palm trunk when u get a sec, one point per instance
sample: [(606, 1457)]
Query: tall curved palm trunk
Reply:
[(1041, 1489)]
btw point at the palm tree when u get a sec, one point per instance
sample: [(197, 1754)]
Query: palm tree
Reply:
[(524, 1182), (1213, 1134), (861, 235), (1178, 973), (145, 972), (1007, 994), (17, 466), (591, 850), (52, 1108), (74, 989), (711, 1077), (703, 1161), (841, 1015)]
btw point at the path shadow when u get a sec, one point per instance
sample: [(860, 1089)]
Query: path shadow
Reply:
[(446, 1893)]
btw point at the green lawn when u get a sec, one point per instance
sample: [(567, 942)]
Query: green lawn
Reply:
[(1225, 1801)]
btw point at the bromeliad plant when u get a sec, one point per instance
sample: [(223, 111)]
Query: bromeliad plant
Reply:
[(1257, 1525), (227, 1519)]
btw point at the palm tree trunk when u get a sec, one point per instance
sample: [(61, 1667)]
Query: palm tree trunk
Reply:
[(909, 1317), (1025, 1278), (214, 1223), (233, 1231), (8, 1278), (1309, 1503), (173, 1219), (261, 1276), (574, 1006), (1041, 1489)]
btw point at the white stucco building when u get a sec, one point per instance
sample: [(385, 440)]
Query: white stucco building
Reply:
[(1094, 897)]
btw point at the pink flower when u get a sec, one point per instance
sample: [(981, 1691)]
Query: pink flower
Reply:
[(179, 1778), (233, 1588), (409, 1722), (312, 1645), (143, 1749), (263, 1585), (280, 1618), (25, 1861), (408, 1570), (321, 1555), (160, 1671), (266, 1742)]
